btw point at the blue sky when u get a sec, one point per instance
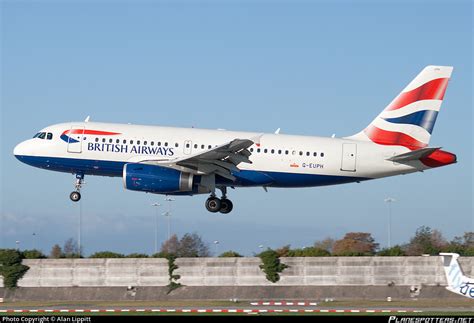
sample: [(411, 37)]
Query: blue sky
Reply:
[(310, 68)]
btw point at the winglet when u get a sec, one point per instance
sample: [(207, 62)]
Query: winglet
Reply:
[(87, 119), (256, 139)]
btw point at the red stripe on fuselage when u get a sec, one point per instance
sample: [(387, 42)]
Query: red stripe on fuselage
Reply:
[(384, 137), (90, 132), (432, 90)]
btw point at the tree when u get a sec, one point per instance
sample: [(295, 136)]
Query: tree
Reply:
[(325, 244), (230, 254), (11, 267), (170, 246), (33, 254), (462, 245), (192, 245), (355, 244), (308, 252), (271, 265), (56, 252), (71, 249), (426, 241), (106, 254), (137, 255), (283, 251), (393, 251)]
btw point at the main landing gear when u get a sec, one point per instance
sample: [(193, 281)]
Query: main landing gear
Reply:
[(223, 205), (76, 195)]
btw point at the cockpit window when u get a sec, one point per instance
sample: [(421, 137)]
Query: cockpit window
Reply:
[(44, 135)]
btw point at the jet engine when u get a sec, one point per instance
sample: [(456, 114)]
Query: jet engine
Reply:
[(156, 179)]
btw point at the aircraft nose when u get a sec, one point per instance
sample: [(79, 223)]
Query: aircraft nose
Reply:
[(19, 150)]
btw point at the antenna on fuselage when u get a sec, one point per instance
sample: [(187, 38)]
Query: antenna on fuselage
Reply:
[(277, 132), (87, 119)]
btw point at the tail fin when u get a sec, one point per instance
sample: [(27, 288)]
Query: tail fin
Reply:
[(457, 282), (409, 119)]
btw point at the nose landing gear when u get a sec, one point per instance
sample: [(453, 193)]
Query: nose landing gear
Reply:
[(76, 195), (223, 205)]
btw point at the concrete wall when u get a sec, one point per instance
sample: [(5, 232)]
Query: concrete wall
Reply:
[(307, 271)]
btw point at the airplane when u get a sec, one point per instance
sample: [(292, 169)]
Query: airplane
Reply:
[(457, 282), (189, 161)]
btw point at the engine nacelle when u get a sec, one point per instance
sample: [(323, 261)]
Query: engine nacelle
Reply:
[(156, 179)]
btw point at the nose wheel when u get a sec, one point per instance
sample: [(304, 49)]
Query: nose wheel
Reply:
[(222, 205), (76, 195)]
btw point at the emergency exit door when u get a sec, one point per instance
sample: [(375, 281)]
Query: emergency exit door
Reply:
[(349, 156)]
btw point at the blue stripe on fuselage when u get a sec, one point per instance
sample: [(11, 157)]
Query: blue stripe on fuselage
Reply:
[(244, 177)]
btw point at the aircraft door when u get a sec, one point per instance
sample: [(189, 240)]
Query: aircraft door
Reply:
[(75, 138), (349, 156), (188, 147)]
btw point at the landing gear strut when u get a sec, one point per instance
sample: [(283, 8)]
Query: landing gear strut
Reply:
[(223, 205), (76, 195)]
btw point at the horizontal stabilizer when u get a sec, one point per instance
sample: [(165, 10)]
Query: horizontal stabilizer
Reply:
[(414, 155)]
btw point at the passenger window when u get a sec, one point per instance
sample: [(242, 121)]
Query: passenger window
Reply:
[(293, 152), (321, 154), (49, 136), (315, 154), (265, 150), (307, 153), (152, 143), (301, 153), (209, 147), (286, 152), (258, 150), (273, 151), (145, 142), (110, 140), (96, 139), (131, 142), (195, 146), (187, 145), (251, 150), (158, 143), (117, 141), (103, 139), (138, 142), (176, 145), (166, 144), (124, 141), (202, 146), (279, 151)]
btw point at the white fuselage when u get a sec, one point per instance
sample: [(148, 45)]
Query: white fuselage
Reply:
[(278, 160)]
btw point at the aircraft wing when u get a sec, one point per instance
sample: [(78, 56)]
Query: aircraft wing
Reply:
[(220, 160)]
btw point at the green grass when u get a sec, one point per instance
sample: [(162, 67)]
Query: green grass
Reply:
[(429, 307)]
